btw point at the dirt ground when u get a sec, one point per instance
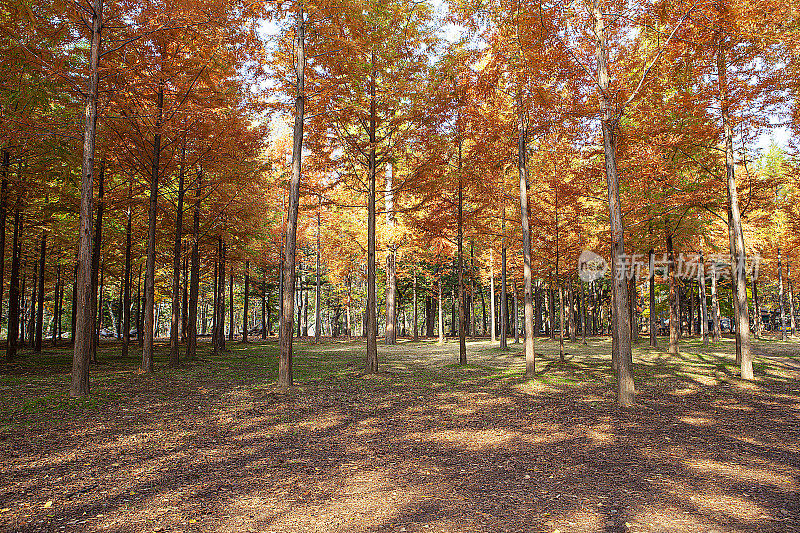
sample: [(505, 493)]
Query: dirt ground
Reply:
[(425, 446)]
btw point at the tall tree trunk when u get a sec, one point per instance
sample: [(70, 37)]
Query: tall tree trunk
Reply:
[(391, 264), (625, 387), (516, 313), (215, 307), (31, 329), (231, 322), (503, 295), (522, 170), (194, 288), (462, 308), (715, 304), (285, 377), (126, 292), (150, 270), (492, 312), (674, 313), (537, 319), (791, 298), (139, 308), (220, 320), (246, 311), (780, 296), (97, 248), (416, 327), (703, 303), (571, 309), (372, 323), (3, 209), (54, 331), (174, 339), (561, 305), (583, 310), (185, 296), (266, 317), (79, 386), (756, 307), (317, 294), (441, 311), (13, 300), (40, 294), (651, 275), (738, 257)]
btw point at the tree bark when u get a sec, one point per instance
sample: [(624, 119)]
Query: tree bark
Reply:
[(3, 208), (492, 312), (651, 274), (37, 348), (416, 327), (522, 170), (285, 377), (126, 292), (703, 303), (174, 339), (738, 258), (231, 322), (462, 308), (756, 308), (780, 296), (441, 310), (246, 311), (194, 286), (503, 296), (97, 248), (625, 387), (391, 265), (674, 314), (791, 298), (372, 323), (715, 304), (79, 386), (54, 331), (13, 305), (150, 270)]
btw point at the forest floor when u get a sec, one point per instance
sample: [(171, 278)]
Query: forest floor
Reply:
[(424, 446)]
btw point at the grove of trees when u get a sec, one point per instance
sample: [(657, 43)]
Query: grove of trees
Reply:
[(395, 168)]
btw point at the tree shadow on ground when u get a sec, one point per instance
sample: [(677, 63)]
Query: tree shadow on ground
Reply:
[(214, 447)]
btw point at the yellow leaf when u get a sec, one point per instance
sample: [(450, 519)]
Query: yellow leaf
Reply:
[(49, 504)]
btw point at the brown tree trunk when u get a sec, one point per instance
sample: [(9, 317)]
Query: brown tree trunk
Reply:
[(139, 314), (3, 209), (441, 310), (492, 311), (703, 303), (372, 324), (317, 295), (625, 387), (674, 313), (651, 274), (391, 266), (126, 282), (13, 298), (462, 308), (791, 299), (54, 329), (285, 377), (79, 386), (230, 299), (756, 307), (522, 170), (150, 270), (97, 248), (221, 288), (246, 310), (780, 296), (416, 327), (194, 289), (37, 347), (174, 339), (503, 296), (738, 257)]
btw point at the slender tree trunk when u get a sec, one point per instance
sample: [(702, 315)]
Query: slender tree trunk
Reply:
[(40, 294), (416, 327), (462, 308), (491, 296), (503, 298), (780, 296), (625, 386), (174, 339), (703, 304), (31, 328), (522, 169), (285, 377), (139, 314), (150, 271), (651, 274), (194, 286), (674, 313), (441, 311), (738, 257), (221, 288), (126, 292), (79, 386), (571, 309), (13, 300), (756, 307), (185, 297), (215, 307), (230, 310), (391, 265), (3, 209), (54, 331), (561, 305), (97, 249), (265, 314), (583, 311), (791, 298), (246, 303), (715, 304), (372, 323)]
